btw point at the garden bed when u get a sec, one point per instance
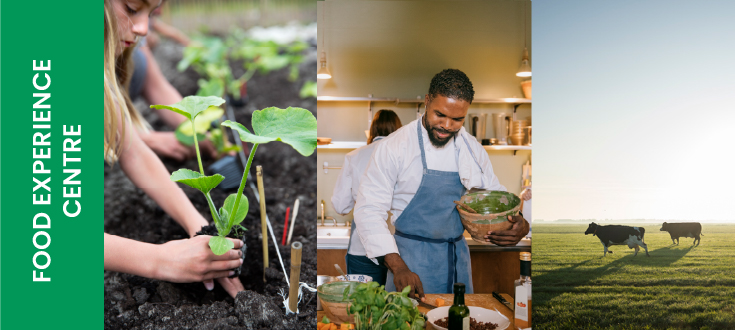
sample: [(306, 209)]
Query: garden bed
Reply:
[(133, 302)]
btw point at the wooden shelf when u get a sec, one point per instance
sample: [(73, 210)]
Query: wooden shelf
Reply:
[(510, 147), (343, 145), (348, 145)]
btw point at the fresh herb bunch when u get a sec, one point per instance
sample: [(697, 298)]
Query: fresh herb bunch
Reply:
[(293, 126), (373, 308)]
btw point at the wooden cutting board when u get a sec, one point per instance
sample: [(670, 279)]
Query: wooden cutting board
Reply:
[(478, 300)]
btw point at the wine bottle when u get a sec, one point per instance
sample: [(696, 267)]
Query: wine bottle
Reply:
[(459, 314), (523, 293)]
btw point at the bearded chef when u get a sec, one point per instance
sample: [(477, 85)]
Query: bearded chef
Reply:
[(417, 173)]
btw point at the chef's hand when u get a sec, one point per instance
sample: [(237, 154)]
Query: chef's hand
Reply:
[(509, 237), (403, 277)]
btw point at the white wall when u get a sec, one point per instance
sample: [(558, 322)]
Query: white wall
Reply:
[(393, 49)]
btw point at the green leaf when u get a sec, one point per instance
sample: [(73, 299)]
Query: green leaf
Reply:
[(271, 63), (191, 106), (223, 216), (187, 139), (293, 126), (220, 245), (308, 90), (406, 290), (196, 180), (325, 320), (242, 209), (213, 86), (204, 123)]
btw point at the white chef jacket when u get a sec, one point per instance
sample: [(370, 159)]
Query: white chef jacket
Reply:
[(345, 191), (394, 173)]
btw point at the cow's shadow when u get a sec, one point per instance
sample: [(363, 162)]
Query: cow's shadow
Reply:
[(582, 274)]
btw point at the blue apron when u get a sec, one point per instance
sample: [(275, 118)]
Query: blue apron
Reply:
[(429, 232)]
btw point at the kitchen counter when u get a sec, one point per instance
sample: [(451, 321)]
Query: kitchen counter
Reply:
[(523, 246), (479, 300), (337, 243)]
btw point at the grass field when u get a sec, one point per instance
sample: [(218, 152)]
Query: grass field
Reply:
[(677, 287)]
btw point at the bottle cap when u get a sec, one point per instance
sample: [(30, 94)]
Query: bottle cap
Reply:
[(526, 256), (458, 287)]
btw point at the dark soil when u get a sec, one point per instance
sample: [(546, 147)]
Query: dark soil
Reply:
[(133, 302)]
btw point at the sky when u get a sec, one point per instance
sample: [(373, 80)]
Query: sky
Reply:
[(634, 110)]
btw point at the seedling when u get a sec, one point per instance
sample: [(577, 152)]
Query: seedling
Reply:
[(205, 129), (293, 126), (308, 90), (210, 57), (373, 308)]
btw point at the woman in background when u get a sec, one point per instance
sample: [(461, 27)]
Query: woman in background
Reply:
[(384, 123)]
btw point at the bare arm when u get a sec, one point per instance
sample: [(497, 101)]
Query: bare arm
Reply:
[(179, 261), (147, 172), (157, 90), (187, 260), (170, 32)]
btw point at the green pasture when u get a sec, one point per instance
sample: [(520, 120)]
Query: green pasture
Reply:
[(677, 287)]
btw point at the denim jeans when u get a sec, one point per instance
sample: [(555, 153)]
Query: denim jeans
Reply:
[(364, 266)]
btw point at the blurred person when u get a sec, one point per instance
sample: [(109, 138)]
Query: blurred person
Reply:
[(157, 28), (384, 123), (147, 80)]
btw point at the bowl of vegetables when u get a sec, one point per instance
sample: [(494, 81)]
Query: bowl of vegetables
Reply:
[(491, 210), (334, 301), (480, 318)]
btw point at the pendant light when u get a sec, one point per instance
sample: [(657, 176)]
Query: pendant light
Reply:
[(323, 72), (525, 69)]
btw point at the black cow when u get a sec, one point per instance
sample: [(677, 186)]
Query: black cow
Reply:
[(683, 229), (618, 235)]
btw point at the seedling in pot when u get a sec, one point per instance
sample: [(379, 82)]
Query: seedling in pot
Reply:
[(293, 126)]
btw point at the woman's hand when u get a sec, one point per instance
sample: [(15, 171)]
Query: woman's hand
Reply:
[(191, 260), (167, 145), (231, 285)]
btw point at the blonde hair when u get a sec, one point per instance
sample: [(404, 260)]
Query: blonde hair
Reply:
[(118, 107)]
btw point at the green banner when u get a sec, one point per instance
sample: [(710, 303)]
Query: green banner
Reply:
[(51, 166)]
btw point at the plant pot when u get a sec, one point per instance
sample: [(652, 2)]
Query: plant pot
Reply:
[(493, 209), (211, 230)]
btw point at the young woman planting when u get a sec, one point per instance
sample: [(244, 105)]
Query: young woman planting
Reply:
[(187, 260)]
